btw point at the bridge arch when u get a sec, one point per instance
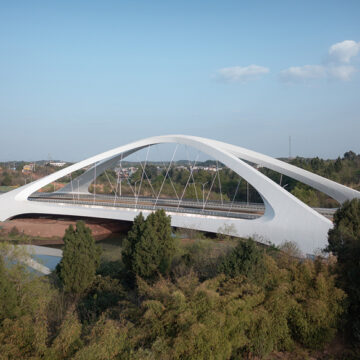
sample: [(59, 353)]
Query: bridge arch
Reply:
[(285, 217)]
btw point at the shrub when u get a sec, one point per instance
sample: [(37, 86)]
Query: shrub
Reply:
[(246, 259), (103, 294), (344, 243)]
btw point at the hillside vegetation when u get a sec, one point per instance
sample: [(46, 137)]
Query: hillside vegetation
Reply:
[(171, 299)]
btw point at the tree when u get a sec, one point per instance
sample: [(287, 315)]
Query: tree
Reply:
[(8, 296), (150, 248), (80, 259), (6, 179), (305, 194), (344, 243), (338, 165), (246, 259), (350, 155), (134, 236)]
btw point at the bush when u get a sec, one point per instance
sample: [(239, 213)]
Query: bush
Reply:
[(103, 294), (14, 231), (246, 259), (317, 303), (344, 243)]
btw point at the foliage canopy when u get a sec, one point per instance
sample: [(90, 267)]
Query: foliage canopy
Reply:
[(344, 243), (149, 248), (80, 259)]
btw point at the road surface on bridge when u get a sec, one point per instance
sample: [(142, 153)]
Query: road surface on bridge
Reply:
[(215, 208)]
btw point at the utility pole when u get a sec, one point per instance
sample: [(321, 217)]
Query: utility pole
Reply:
[(247, 193), (203, 192), (289, 147)]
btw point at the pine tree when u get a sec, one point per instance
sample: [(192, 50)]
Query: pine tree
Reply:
[(80, 259), (160, 224), (133, 237), (150, 247)]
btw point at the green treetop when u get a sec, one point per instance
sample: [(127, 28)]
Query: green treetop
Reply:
[(150, 248), (80, 259), (344, 243)]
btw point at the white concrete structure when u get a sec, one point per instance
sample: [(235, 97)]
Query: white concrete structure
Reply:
[(30, 250), (285, 219)]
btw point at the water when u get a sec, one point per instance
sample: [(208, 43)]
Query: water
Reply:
[(111, 249), (46, 260)]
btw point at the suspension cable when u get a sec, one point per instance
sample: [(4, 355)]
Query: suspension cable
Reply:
[(166, 174), (117, 181), (119, 174), (212, 184), (72, 188), (143, 168), (192, 175), (142, 175), (218, 174), (196, 194), (231, 205), (191, 171), (172, 184), (112, 188), (94, 183), (127, 179)]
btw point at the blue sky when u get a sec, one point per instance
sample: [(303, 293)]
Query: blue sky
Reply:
[(81, 77)]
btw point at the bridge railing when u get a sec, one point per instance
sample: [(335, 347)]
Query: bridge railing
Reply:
[(226, 205), (148, 207)]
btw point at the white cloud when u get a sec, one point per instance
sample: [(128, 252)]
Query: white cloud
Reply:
[(341, 72), (343, 51), (303, 73), (241, 73), (308, 73), (340, 54)]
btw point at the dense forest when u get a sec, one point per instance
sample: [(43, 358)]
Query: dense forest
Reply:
[(167, 298)]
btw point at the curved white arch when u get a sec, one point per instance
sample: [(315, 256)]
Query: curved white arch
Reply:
[(335, 190), (285, 218)]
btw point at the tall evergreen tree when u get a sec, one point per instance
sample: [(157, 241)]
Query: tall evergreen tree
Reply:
[(160, 224), (80, 259), (133, 237), (150, 247)]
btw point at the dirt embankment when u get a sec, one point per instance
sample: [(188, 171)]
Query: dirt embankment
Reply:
[(51, 231)]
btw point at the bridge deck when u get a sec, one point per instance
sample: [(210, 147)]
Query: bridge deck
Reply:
[(214, 208)]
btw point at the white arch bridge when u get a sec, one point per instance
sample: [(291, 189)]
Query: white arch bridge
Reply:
[(285, 218)]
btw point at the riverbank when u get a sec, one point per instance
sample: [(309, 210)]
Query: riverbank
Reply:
[(49, 231)]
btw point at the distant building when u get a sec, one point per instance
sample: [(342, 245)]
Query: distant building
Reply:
[(207, 168), (28, 168), (181, 167), (58, 164), (124, 173)]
